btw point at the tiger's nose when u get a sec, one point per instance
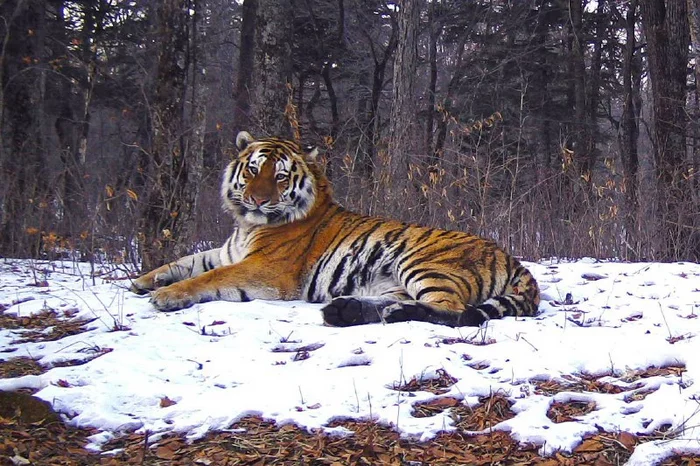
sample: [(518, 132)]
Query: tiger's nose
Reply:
[(259, 200)]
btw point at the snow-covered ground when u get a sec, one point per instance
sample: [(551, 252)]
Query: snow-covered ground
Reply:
[(203, 368)]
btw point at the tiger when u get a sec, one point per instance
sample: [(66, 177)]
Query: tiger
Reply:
[(292, 241)]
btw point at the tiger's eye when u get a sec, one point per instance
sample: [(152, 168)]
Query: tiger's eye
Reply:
[(253, 170), (280, 177)]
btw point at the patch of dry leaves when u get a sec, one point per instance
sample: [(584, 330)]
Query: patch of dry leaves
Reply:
[(436, 385), (31, 433), (47, 325)]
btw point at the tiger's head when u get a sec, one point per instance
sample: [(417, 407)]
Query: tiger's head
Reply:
[(272, 181)]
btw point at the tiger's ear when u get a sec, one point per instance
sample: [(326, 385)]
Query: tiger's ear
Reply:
[(243, 140), (310, 152)]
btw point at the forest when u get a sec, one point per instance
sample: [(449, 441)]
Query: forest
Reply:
[(564, 128)]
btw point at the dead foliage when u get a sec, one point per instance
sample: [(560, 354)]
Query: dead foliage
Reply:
[(19, 366), (260, 442), (592, 383), (681, 460), (31, 433), (255, 441), (638, 395), (606, 449), (490, 411), (568, 411), (47, 325), (581, 383), (24, 408), (653, 371), (476, 340), (433, 407), (437, 385)]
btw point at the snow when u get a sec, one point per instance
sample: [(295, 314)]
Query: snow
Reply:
[(219, 361)]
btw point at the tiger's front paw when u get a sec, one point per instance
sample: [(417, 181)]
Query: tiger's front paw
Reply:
[(172, 298), (143, 284), (149, 282)]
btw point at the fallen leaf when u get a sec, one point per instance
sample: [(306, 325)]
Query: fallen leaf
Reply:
[(62, 383), (166, 402), (165, 452), (590, 445), (627, 440)]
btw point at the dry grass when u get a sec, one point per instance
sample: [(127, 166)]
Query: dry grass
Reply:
[(436, 385)]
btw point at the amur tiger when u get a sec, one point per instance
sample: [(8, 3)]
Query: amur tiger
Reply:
[(294, 242)]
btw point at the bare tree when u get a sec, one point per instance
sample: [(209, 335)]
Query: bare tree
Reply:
[(666, 29), (694, 23), (273, 65), (246, 62), (25, 205), (403, 135), (176, 152)]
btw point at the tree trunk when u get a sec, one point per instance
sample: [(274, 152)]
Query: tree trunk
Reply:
[(434, 34), (246, 62), (332, 100), (593, 90), (22, 163), (402, 125), (584, 149), (665, 25), (176, 153), (72, 123), (273, 66), (628, 133), (369, 111), (694, 23)]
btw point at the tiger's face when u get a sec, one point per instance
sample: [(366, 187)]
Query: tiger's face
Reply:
[(269, 182)]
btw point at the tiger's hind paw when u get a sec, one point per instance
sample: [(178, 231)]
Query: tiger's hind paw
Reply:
[(403, 312), (419, 311), (347, 311)]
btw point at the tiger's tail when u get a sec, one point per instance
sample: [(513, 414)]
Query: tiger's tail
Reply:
[(521, 297)]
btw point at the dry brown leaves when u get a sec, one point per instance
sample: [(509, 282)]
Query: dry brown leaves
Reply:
[(47, 325), (19, 366), (568, 411), (435, 406), (30, 433), (437, 385), (490, 411), (653, 371), (594, 384), (254, 441), (582, 383), (263, 443)]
